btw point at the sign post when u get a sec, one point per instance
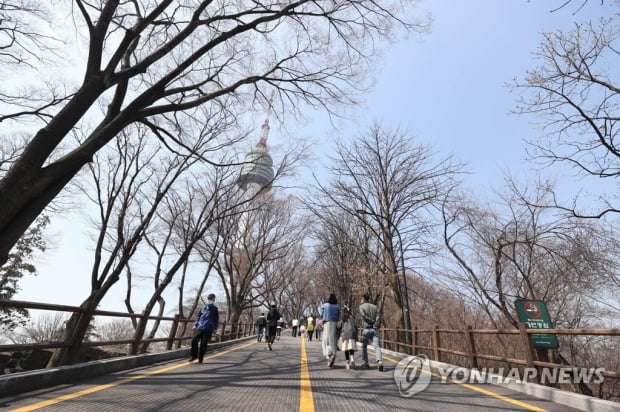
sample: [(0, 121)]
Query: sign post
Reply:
[(534, 314)]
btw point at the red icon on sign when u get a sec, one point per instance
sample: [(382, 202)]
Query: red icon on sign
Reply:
[(532, 309)]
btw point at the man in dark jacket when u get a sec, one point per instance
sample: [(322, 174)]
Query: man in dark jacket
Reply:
[(206, 322), (272, 321)]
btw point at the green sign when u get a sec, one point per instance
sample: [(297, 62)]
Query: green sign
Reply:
[(534, 314)]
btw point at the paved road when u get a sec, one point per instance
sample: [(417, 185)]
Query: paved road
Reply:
[(248, 377)]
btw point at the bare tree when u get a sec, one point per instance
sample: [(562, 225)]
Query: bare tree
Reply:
[(116, 329), (525, 251), (298, 292), (129, 184), (160, 63), (347, 260), (187, 217), (283, 280), (391, 186), (21, 37), (576, 100), (43, 328), (246, 265)]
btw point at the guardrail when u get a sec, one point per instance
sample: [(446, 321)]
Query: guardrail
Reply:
[(392, 339), (226, 332)]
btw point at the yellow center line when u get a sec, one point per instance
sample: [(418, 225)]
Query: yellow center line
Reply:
[(306, 401), (479, 389), (119, 382)]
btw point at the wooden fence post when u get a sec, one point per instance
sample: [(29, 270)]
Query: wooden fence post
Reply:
[(471, 348), (183, 332), (139, 334), (173, 332), (526, 342), (397, 345), (415, 340), (223, 331), (436, 344)]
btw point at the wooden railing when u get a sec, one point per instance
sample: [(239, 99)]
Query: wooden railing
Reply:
[(225, 332), (393, 339)]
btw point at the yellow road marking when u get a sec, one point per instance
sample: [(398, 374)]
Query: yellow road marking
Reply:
[(484, 391), (306, 401), (119, 382)]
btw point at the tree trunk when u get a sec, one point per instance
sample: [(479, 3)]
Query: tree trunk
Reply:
[(233, 318), (74, 333)]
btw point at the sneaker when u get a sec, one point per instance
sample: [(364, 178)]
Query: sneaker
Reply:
[(352, 364), (331, 361), (347, 366), (365, 365), (269, 344), (193, 358), (199, 360), (380, 366)]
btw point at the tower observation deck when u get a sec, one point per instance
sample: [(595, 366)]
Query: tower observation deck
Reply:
[(257, 169)]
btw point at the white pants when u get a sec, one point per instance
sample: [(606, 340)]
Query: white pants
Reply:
[(329, 340)]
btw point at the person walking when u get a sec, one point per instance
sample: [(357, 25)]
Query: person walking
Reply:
[(207, 321), (319, 328), (371, 320), (294, 326), (261, 323), (310, 327), (330, 312), (272, 324), (348, 335), (302, 322), (302, 330)]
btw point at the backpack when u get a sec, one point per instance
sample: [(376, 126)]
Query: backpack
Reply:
[(319, 324), (261, 321)]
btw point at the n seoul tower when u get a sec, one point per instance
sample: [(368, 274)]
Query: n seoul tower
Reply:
[(255, 177), (257, 171)]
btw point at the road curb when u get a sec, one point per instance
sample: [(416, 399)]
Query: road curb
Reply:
[(16, 383), (574, 400)]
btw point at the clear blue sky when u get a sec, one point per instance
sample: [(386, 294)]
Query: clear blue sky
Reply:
[(447, 89)]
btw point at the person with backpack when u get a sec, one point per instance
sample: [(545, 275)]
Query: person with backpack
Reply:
[(310, 327), (319, 328), (207, 321), (261, 323), (348, 336), (272, 323)]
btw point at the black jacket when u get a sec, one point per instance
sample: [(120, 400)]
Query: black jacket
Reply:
[(272, 317)]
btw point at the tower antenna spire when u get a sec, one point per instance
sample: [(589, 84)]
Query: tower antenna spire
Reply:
[(264, 134)]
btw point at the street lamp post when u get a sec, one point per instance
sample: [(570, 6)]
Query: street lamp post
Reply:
[(407, 314)]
